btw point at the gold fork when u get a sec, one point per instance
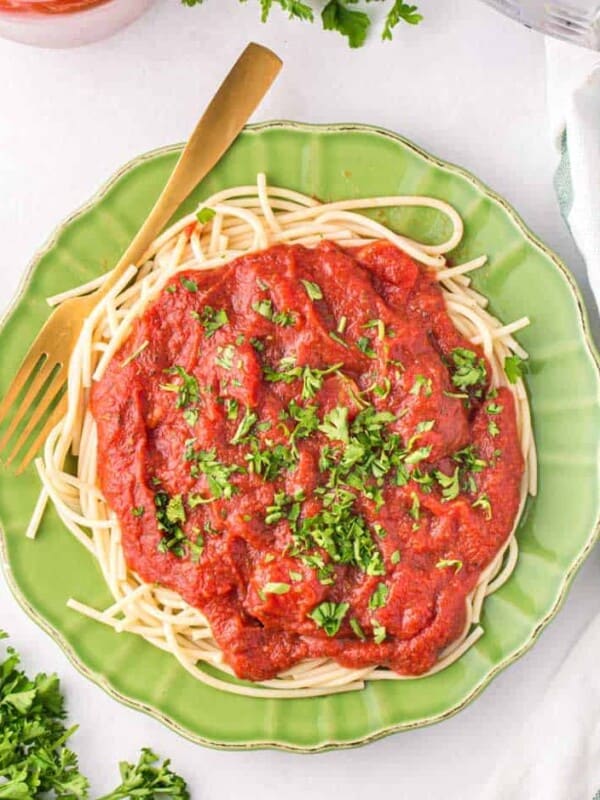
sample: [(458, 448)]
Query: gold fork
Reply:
[(236, 99)]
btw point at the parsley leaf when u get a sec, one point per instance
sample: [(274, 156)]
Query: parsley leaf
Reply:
[(514, 368), (421, 382), (276, 588), (329, 616), (211, 320), (356, 627), (483, 502), (354, 25), (313, 290), (364, 345), (379, 597), (470, 372), (224, 357), (449, 483), (145, 779), (188, 391), (400, 11), (247, 423), (205, 462), (335, 424), (450, 562), (204, 215), (266, 310), (188, 284)]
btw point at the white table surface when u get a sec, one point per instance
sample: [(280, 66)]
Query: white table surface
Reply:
[(467, 85)]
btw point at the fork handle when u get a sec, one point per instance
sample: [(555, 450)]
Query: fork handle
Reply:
[(236, 99)]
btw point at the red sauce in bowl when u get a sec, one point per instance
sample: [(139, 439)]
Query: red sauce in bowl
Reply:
[(48, 6), (303, 446)]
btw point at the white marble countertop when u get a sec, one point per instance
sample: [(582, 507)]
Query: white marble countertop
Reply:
[(468, 85)]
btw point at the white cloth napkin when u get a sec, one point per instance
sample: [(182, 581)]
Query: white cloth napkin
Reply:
[(557, 754)]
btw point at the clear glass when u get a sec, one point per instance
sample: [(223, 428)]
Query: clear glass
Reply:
[(578, 21), (66, 23)]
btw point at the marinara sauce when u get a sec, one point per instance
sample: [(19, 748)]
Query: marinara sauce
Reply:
[(303, 446)]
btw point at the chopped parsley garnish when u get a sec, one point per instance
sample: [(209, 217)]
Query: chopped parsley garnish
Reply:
[(284, 507), (469, 459), (195, 499), (295, 576), (335, 424), (247, 423), (329, 616), (450, 484), (276, 588), (269, 462), (450, 562), (379, 530), (188, 391), (415, 508), (211, 319), (189, 284), (469, 371), (493, 428), (379, 632), (313, 290), (483, 502), (382, 390), (379, 324), (225, 356), (170, 514), (175, 511), (190, 415), (514, 368), (312, 379), (138, 351), (289, 371), (395, 557), (138, 511), (424, 383), (333, 335), (205, 462), (420, 454), (494, 408), (231, 408), (364, 345), (358, 631), (204, 215), (306, 420), (379, 597), (266, 310)]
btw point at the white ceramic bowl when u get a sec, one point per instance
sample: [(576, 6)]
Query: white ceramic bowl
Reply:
[(31, 21)]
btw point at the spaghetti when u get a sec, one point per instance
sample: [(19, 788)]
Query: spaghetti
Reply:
[(229, 225)]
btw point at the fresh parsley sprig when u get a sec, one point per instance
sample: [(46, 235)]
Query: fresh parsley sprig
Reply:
[(340, 15), (34, 758)]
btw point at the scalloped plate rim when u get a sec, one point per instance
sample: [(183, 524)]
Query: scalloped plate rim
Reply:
[(97, 677)]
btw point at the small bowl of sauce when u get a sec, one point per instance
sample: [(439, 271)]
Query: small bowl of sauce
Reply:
[(66, 23)]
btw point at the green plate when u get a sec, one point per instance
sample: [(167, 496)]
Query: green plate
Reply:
[(558, 528)]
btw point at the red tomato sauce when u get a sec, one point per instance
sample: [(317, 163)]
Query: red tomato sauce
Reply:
[(294, 444), (48, 6)]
